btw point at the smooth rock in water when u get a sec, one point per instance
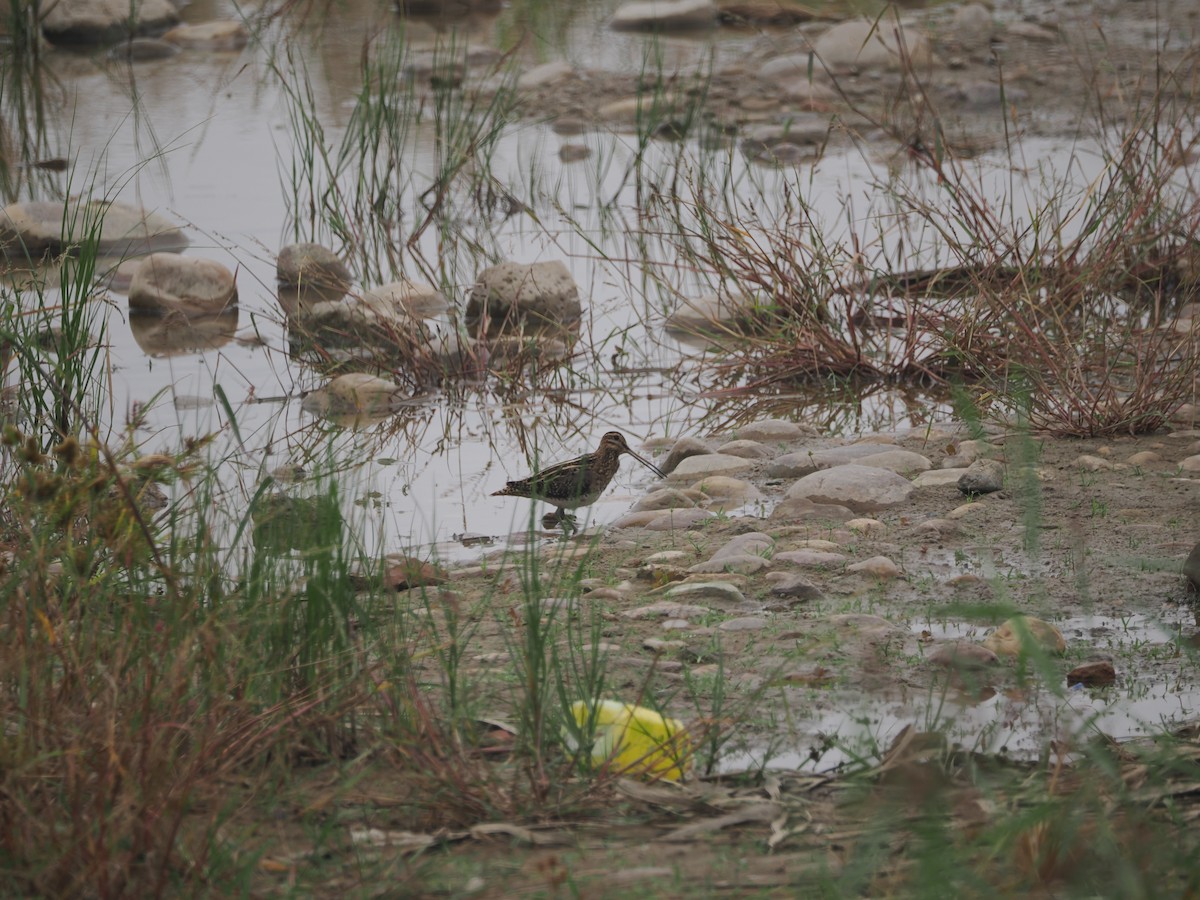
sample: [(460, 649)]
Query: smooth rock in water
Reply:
[(104, 21), (1031, 31), (515, 296), (868, 44), (723, 491), (222, 34), (792, 585), (546, 74), (353, 322), (667, 609), (1093, 674), (810, 558), (753, 542), (803, 509), (744, 623), (902, 462), (191, 286), (718, 315), (938, 478), (120, 276), (746, 450), (355, 392), (807, 93), (773, 430), (791, 65), (664, 498), (1007, 639), (972, 26), (710, 464), (665, 15), (1191, 568), (569, 153), (412, 298), (741, 563), (681, 450), (962, 655), (301, 264), (37, 227), (860, 488), (143, 50), (677, 519), (876, 567), (716, 591), (984, 476), (807, 132)]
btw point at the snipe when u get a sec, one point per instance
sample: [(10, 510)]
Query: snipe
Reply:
[(577, 482)]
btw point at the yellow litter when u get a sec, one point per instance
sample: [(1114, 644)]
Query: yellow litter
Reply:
[(634, 740)]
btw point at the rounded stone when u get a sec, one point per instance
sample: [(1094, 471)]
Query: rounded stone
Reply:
[(962, 655), (793, 585), (191, 286), (710, 464), (743, 623), (38, 227), (681, 450), (665, 15), (1009, 639), (740, 563), (862, 489), (664, 498), (676, 519), (876, 567), (715, 591), (302, 264), (773, 430), (222, 34), (902, 462), (972, 26), (104, 21), (355, 393), (753, 542), (984, 476), (869, 44), (515, 296), (729, 490), (746, 449), (412, 298)]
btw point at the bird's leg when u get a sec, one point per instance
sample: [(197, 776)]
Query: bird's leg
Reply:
[(552, 519), (568, 523)]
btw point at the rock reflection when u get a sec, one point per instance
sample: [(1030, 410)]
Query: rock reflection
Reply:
[(177, 335)]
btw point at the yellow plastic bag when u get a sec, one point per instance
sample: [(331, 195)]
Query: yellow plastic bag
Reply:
[(635, 740)]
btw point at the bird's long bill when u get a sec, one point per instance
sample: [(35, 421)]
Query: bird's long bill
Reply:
[(645, 462)]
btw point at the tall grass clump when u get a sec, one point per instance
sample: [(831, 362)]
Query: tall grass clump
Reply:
[(415, 154), (1072, 291)]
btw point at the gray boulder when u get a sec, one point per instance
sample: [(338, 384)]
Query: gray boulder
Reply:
[(524, 296), (190, 286), (105, 21)]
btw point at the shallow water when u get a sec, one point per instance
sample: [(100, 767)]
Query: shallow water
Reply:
[(209, 142)]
